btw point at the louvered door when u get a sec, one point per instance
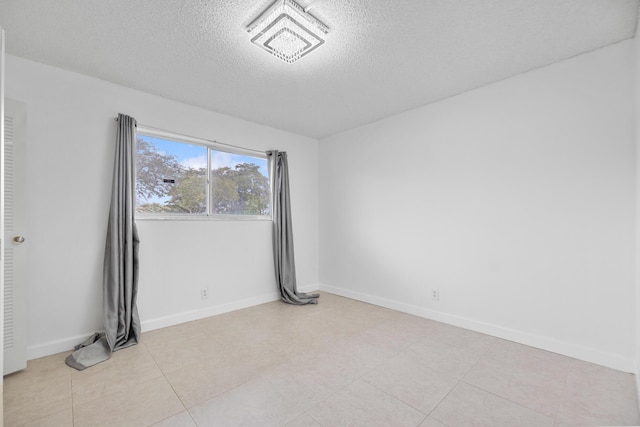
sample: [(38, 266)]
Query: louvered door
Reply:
[(15, 241)]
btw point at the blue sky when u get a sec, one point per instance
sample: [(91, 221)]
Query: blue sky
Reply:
[(195, 156)]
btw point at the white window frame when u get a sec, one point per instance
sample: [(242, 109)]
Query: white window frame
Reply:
[(210, 145)]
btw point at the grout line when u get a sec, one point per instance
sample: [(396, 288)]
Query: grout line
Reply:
[(442, 400), (313, 418), (457, 384), (553, 417), (507, 399), (426, 415), (73, 409), (191, 416), (360, 348)]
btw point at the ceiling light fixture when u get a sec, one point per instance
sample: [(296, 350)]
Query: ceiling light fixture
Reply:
[(286, 31)]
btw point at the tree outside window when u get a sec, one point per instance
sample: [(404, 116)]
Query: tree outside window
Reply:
[(172, 180)]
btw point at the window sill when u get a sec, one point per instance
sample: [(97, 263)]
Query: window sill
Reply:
[(147, 217)]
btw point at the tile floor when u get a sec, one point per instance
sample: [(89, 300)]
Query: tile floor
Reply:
[(340, 363)]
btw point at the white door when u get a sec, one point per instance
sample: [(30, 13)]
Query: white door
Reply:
[(15, 240), (1, 206)]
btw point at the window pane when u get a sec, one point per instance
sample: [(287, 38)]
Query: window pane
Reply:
[(171, 176), (239, 184)]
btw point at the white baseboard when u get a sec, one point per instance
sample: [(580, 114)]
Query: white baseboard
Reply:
[(188, 316), (176, 319), (67, 344), (57, 346), (637, 378), (545, 343)]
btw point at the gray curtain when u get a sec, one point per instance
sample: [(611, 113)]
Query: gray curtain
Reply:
[(283, 254), (120, 276)]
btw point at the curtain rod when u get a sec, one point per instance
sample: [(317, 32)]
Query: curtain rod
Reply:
[(213, 141)]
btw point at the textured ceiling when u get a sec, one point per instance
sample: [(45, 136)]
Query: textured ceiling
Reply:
[(381, 57)]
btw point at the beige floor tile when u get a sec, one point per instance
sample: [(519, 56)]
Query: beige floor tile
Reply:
[(599, 396), (533, 358), (460, 338), (366, 352), (257, 332), (29, 397), (247, 344), (224, 323), (455, 360), (334, 369), (182, 419), (178, 352), (59, 419), (571, 415), (354, 321), (48, 367), (274, 399), (408, 379), (430, 422), (467, 405), (142, 405), (196, 383), (125, 369), (533, 378), (361, 404), (267, 316), (400, 332), (303, 345), (183, 331), (341, 362), (303, 420)]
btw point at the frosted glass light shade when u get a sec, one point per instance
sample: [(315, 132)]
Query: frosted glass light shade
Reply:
[(286, 31)]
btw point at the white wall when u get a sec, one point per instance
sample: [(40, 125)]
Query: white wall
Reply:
[(515, 200), (70, 147), (637, 258)]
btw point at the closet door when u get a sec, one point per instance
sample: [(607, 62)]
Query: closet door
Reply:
[(15, 240), (1, 206)]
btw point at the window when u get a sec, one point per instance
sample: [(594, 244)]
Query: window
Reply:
[(185, 177)]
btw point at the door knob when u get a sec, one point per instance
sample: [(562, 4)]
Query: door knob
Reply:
[(18, 239)]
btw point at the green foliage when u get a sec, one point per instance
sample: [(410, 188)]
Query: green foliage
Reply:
[(241, 190), (152, 208), (188, 193), (151, 168)]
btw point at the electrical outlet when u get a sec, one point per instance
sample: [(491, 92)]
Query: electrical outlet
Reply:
[(435, 294), (204, 293)]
